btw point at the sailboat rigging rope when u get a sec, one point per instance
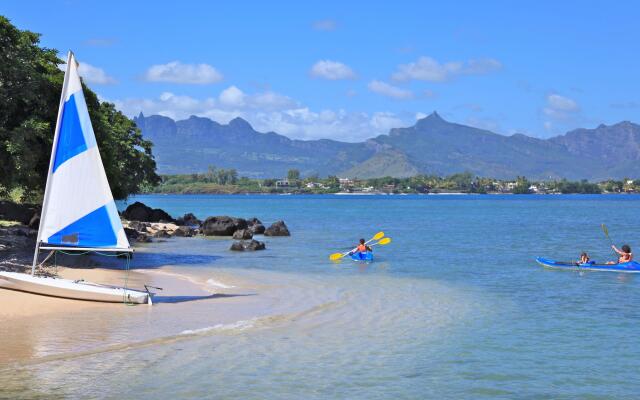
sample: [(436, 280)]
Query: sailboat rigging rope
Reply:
[(125, 301)]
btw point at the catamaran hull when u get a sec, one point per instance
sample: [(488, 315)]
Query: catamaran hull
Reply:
[(78, 290)]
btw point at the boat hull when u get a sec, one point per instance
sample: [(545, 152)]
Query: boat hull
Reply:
[(366, 256), (630, 267), (66, 288)]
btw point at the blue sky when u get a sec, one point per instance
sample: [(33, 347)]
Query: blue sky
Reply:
[(353, 70)]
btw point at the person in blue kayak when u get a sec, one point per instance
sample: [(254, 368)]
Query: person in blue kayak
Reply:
[(625, 254), (584, 258), (361, 248)]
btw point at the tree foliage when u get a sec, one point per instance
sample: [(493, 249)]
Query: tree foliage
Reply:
[(30, 87)]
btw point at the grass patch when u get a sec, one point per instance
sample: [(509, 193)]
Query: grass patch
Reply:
[(6, 224)]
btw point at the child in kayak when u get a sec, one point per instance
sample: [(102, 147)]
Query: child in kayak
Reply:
[(584, 258), (361, 248), (625, 254)]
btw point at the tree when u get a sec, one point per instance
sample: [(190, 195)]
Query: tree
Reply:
[(30, 87), (293, 175), (522, 186)]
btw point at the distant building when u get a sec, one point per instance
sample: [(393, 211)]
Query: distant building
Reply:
[(284, 183), (345, 182)]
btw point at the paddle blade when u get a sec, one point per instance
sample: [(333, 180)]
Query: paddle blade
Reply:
[(378, 236), (336, 256), (605, 230), (384, 241)]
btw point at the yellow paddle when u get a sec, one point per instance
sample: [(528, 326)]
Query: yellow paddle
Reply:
[(337, 256), (383, 242), (606, 233)]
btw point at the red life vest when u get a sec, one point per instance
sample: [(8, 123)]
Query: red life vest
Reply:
[(361, 248)]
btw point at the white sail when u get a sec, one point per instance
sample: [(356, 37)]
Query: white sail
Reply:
[(78, 209)]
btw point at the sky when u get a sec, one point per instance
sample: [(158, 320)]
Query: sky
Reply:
[(353, 70)]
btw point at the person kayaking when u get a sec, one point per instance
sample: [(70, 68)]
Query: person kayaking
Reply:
[(625, 254), (584, 258), (361, 248)]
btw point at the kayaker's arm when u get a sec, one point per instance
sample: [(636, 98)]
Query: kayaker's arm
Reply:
[(617, 250)]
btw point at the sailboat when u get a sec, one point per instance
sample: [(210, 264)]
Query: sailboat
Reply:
[(78, 210)]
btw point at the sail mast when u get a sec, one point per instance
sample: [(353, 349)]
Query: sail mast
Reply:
[(56, 136)]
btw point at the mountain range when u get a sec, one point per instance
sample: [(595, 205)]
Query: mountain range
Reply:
[(431, 146)]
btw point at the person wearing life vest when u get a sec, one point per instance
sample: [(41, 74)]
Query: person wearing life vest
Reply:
[(361, 248), (625, 254)]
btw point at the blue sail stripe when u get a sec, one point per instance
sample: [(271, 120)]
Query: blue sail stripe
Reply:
[(71, 139), (85, 121), (93, 230)]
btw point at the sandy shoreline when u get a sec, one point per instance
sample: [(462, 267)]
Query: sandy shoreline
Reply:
[(34, 326)]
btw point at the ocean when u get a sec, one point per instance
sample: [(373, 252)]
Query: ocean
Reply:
[(454, 308)]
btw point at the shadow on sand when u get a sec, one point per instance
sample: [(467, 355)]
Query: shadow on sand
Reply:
[(183, 299)]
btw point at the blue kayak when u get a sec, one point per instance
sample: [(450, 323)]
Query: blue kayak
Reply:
[(365, 256), (631, 266)]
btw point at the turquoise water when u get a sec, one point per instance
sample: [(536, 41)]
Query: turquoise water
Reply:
[(455, 307)]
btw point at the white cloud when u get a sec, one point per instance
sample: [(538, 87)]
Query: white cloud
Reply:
[(429, 69), (560, 108), (176, 72), (92, 74), (561, 103), (388, 90), (95, 75), (269, 111), (232, 97), (325, 25), (331, 70)]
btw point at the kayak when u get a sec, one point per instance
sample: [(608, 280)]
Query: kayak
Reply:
[(632, 266), (365, 256)]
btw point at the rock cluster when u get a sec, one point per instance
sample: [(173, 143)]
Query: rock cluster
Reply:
[(142, 224), (143, 213), (246, 245)]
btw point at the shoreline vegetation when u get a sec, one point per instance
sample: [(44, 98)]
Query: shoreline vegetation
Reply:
[(223, 181)]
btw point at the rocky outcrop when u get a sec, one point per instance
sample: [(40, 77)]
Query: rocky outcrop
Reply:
[(245, 245), (243, 234), (278, 228), (143, 213), (185, 231), (255, 225), (222, 225), (189, 220)]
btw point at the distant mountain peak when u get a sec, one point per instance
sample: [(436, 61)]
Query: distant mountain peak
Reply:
[(240, 123), (432, 119)]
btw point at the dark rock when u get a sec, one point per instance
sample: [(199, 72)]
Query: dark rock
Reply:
[(242, 234), (185, 231), (256, 227), (244, 245), (131, 234), (161, 234), (141, 212), (139, 226), (278, 228), (136, 236), (188, 220), (222, 226), (253, 221), (22, 213)]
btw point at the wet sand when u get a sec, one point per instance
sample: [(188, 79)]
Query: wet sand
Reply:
[(35, 327)]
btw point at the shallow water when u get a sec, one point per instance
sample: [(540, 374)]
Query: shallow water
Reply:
[(455, 307)]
